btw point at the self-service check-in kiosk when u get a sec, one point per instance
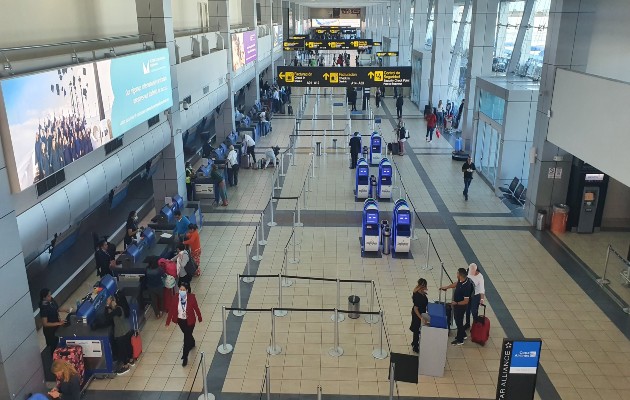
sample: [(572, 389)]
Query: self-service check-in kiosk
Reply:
[(362, 185), (371, 229), (385, 179), (401, 227), (375, 149)]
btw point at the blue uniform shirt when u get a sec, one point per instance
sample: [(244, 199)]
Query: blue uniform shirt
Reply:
[(181, 227)]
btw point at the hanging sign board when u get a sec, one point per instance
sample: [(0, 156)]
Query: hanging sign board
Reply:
[(387, 54), (518, 369), (344, 77), (337, 44), (290, 45)]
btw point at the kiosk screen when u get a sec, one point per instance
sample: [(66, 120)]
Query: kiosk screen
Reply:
[(403, 219), (372, 218)]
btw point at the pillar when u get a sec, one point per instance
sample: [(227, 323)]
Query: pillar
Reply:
[(420, 25), (567, 46), (480, 55), (404, 36), (441, 54)]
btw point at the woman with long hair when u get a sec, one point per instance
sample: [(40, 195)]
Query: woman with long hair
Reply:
[(69, 383), (418, 312), (49, 314)]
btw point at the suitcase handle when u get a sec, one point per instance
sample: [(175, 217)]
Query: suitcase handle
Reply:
[(484, 309)]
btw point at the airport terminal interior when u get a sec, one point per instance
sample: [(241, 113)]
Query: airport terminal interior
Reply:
[(265, 199)]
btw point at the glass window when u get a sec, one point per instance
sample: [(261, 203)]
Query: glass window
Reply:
[(532, 53), (428, 40), (508, 22), (492, 106)]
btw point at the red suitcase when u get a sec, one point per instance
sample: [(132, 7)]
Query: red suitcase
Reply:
[(73, 355), (136, 339), (480, 330)]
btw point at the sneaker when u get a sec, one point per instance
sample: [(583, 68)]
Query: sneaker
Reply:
[(457, 342), (416, 350), (467, 326), (122, 371), (430, 141), (465, 337)]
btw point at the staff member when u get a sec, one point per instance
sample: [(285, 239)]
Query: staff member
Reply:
[(181, 226), (185, 313), (190, 177), (69, 386), (251, 146), (104, 259), (418, 312), (355, 149), (468, 169), (461, 297), (49, 313), (131, 229)]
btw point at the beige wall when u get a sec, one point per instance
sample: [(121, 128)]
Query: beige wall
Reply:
[(27, 22), (609, 48), (185, 15)]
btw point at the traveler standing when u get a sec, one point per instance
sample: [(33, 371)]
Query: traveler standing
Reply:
[(431, 122), (355, 149), (217, 178), (479, 294), (49, 314), (181, 225), (153, 279), (418, 312), (68, 381), (460, 112), (353, 99), (194, 244), (399, 106), (122, 335), (251, 146), (402, 137), (131, 228), (185, 313), (440, 114), (181, 258), (461, 297), (378, 97), (468, 169), (190, 177), (232, 164)]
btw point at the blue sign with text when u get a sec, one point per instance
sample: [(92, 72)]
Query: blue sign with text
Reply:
[(525, 356)]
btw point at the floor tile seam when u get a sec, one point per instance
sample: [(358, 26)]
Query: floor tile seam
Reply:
[(546, 389)]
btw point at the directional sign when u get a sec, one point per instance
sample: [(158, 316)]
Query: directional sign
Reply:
[(290, 45), (387, 54), (349, 31), (344, 76), (297, 37), (338, 44), (377, 44)]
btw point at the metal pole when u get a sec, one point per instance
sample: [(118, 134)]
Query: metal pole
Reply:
[(272, 222), (371, 318), (304, 193), (238, 313), (273, 193), (441, 283), (293, 164), (279, 312), (319, 392), (224, 348), (261, 240), (338, 316), (282, 165), (603, 281), (274, 349), (324, 143), (248, 279), (336, 350), (380, 353), (294, 260), (299, 214), (277, 184), (257, 257), (268, 382), (312, 165), (427, 267), (392, 369), (204, 372)]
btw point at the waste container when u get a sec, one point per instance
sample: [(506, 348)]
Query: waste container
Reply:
[(541, 220), (365, 152), (373, 184), (353, 306), (559, 218), (387, 237), (319, 148), (334, 144)]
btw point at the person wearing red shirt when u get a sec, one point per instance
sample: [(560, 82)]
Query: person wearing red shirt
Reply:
[(194, 243), (431, 123), (185, 313)]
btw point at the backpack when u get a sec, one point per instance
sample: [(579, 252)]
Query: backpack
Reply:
[(191, 266)]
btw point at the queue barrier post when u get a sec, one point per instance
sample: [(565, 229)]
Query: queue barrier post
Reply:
[(262, 241), (426, 266), (280, 312), (249, 278), (337, 316), (257, 256), (380, 353), (224, 348), (371, 318), (204, 372), (336, 350), (238, 313), (274, 349), (272, 222)]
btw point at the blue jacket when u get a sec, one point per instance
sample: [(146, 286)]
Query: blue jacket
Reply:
[(181, 227)]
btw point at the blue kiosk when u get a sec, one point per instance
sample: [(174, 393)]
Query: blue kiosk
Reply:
[(384, 189), (401, 227), (376, 143), (362, 184), (371, 227)]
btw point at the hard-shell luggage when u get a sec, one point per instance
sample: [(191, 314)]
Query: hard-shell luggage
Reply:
[(136, 340), (73, 355), (480, 330), (395, 147), (290, 109), (458, 144)]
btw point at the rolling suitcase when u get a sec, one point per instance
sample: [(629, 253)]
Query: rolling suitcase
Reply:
[(458, 144), (480, 330), (136, 340), (73, 355), (290, 109)]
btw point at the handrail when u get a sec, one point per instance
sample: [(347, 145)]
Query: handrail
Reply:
[(71, 43)]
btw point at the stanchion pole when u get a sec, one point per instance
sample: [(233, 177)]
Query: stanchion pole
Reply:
[(248, 279), (274, 349), (257, 256), (299, 215), (285, 282), (336, 350), (204, 372), (238, 313), (324, 143), (277, 180), (294, 260), (224, 348), (293, 164), (262, 241), (380, 353), (273, 192), (319, 392), (312, 165), (392, 380), (282, 165), (371, 318), (308, 179), (272, 222), (603, 281), (336, 315), (268, 382), (426, 266), (280, 312)]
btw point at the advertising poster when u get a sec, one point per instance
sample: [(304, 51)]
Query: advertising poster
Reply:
[(518, 369), (243, 49), (278, 36)]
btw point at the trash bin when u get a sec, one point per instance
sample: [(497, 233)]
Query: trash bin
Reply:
[(541, 220), (319, 148), (365, 152), (353, 306), (334, 144), (559, 218), (387, 235), (373, 184)]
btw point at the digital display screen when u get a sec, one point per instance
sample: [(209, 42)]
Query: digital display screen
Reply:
[(403, 218), (387, 171), (376, 141), (594, 177), (364, 171), (244, 49), (371, 218)]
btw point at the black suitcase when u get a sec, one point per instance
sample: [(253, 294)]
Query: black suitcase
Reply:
[(395, 148), (290, 109)]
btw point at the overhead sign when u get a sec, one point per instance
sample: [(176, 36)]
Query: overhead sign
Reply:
[(290, 45), (341, 44), (298, 37), (350, 11), (335, 76), (377, 44), (349, 31), (387, 54), (518, 369)]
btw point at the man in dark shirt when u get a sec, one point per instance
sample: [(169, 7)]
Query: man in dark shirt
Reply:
[(468, 169), (355, 149), (104, 260), (463, 290)]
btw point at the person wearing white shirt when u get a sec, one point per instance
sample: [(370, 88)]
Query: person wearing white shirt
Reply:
[(232, 164), (479, 294), (251, 146), (182, 258), (271, 156)]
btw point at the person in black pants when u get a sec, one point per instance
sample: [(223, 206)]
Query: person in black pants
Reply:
[(49, 313), (355, 149), (104, 259), (185, 313), (463, 290), (399, 106), (468, 169), (418, 312)]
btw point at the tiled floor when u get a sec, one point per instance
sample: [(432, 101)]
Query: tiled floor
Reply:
[(529, 293)]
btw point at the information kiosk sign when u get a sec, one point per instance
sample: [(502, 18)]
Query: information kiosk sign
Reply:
[(344, 77), (518, 369)]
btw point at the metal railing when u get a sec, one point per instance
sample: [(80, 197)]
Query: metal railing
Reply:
[(624, 274)]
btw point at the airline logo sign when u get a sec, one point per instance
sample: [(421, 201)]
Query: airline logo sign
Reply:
[(387, 54), (518, 369), (344, 77)]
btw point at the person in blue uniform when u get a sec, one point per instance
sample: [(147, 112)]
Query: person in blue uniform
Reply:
[(418, 312), (463, 290)]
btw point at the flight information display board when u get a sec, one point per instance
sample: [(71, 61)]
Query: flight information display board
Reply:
[(344, 77), (293, 44), (387, 54), (340, 44)]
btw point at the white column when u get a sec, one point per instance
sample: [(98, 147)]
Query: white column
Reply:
[(441, 55), (404, 37)]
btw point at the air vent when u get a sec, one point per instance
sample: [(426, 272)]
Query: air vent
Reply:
[(154, 120), (113, 145), (50, 182), (206, 89)]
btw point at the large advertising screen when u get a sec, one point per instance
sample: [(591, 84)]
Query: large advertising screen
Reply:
[(56, 117), (351, 22), (278, 36), (243, 49)]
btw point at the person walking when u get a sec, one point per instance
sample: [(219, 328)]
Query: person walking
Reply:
[(181, 258), (232, 164), (355, 149), (217, 178), (468, 169), (378, 97), (461, 297), (399, 106), (185, 313), (479, 294), (431, 120), (251, 146), (194, 244), (153, 279), (418, 312), (68, 381)]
